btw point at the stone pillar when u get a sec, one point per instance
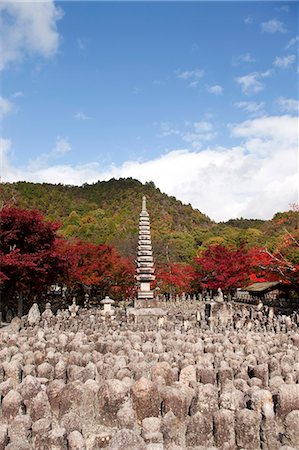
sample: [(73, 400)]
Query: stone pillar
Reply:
[(145, 263)]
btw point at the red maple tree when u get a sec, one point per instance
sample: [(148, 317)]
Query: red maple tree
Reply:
[(282, 263), (225, 267), (28, 250), (259, 266), (97, 266), (175, 278)]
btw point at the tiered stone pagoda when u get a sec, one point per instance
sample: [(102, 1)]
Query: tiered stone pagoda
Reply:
[(145, 263)]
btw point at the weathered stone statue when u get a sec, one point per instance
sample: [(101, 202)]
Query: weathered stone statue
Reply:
[(219, 296), (73, 308), (34, 315), (47, 314)]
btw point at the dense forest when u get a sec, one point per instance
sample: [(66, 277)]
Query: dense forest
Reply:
[(83, 241), (108, 212)]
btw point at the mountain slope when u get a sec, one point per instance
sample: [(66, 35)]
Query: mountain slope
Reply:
[(108, 212)]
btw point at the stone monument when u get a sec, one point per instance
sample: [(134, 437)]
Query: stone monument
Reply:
[(73, 308), (108, 308), (219, 297), (145, 263), (34, 315)]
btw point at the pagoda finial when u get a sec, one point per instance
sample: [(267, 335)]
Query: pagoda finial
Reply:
[(144, 203)]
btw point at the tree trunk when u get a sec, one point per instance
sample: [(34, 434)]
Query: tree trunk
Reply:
[(20, 305)]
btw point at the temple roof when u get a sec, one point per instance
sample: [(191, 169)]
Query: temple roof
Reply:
[(262, 287)]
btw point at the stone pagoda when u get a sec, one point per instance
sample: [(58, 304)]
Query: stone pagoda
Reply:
[(145, 263)]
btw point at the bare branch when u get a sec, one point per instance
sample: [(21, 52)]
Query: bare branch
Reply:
[(292, 237), (287, 265)]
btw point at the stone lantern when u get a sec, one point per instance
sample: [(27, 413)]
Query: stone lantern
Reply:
[(108, 310)]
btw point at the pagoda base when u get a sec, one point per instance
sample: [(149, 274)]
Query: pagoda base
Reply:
[(145, 303), (145, 295)]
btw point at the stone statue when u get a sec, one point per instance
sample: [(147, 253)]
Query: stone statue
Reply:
[(47, 314), (219, 296), (34, 314), (73, 308)]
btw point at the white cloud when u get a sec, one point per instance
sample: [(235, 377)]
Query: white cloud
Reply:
[(195, 134), (193, 76), (5, 107), (17, 94), (167, 129), (62, 145), (28, 28), (5, 145), (292, 42), (82, 43), (81, 116), (267, 73), (273, 26), (245, 57), (197, 73), (248, 20), (251, 83), (288, 105), (284, 62), (203, 127), (200, 133), (7, 170), (263, 132), (254, 179), (284, 8), (252, 108), (216, 89)]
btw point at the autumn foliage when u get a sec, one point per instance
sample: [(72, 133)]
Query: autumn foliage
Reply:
[(230, 267), (260, 262), (283, 262), (97, 266), (175, 278), (223, 267), (33, 257), (28, 253)]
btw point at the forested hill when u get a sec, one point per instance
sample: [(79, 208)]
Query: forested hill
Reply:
[(118, 200), (108, 212)]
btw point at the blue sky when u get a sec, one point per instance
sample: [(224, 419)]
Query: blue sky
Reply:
[(200, 97)]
